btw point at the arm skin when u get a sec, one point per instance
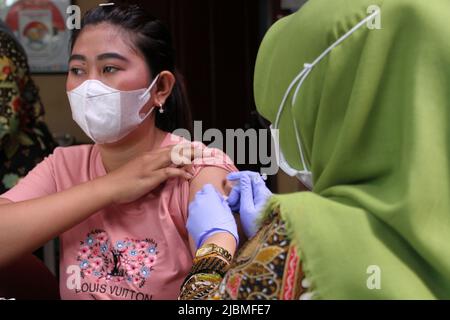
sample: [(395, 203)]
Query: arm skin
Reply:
[(42, 219)]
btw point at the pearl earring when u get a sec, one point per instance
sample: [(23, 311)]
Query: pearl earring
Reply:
[(161, 109)]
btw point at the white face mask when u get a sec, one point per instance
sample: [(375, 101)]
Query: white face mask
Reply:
[(305, 176), (106, 114)]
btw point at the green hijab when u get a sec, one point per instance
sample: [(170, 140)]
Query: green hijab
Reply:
[(374, 121)]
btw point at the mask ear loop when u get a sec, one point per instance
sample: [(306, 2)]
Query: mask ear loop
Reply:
[(304, 74), (281, 161), (299, 78), (150, 88), (308, 68), (288, 91), (143, 117)]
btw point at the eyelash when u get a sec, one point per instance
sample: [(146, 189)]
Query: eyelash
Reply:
[(115, 69), (77, 71)]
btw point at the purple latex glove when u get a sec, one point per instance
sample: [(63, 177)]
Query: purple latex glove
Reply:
[(248, 197), (209, 213)]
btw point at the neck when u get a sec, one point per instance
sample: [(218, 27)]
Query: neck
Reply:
[(146, 138)]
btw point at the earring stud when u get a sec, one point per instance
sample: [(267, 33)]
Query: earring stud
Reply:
[(161, 109)]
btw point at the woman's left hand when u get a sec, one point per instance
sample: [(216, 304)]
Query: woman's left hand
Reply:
[(209, 213)]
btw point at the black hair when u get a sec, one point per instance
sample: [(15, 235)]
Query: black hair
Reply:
[(153, 40)]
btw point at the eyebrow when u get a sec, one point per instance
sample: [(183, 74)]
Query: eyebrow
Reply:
[(103, 56), (111, 55), (77, 57)]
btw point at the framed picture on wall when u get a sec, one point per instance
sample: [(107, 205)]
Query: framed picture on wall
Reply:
[(40, 26)]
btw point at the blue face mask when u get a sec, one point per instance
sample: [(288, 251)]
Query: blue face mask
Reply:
[(305, 176)]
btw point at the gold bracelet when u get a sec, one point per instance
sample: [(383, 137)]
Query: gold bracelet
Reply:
[(199, 285), (212, 248), (208, 265), (215, 255)]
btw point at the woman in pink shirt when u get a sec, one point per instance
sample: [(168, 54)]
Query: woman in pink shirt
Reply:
[(119, 206)]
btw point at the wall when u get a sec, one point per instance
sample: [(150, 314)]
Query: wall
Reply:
[(53, 94)]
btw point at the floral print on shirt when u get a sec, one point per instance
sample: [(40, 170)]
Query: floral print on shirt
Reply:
[(127, 260)]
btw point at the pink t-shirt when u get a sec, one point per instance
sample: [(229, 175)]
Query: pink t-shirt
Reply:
[(136, 251)]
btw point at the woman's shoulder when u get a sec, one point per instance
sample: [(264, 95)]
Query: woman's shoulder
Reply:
[(78, 151), (75, 164), (73, 158)]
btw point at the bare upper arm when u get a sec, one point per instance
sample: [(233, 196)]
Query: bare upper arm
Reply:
[(210, 175)]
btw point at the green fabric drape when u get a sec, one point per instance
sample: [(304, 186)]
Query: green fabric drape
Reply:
[(373, 117)]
